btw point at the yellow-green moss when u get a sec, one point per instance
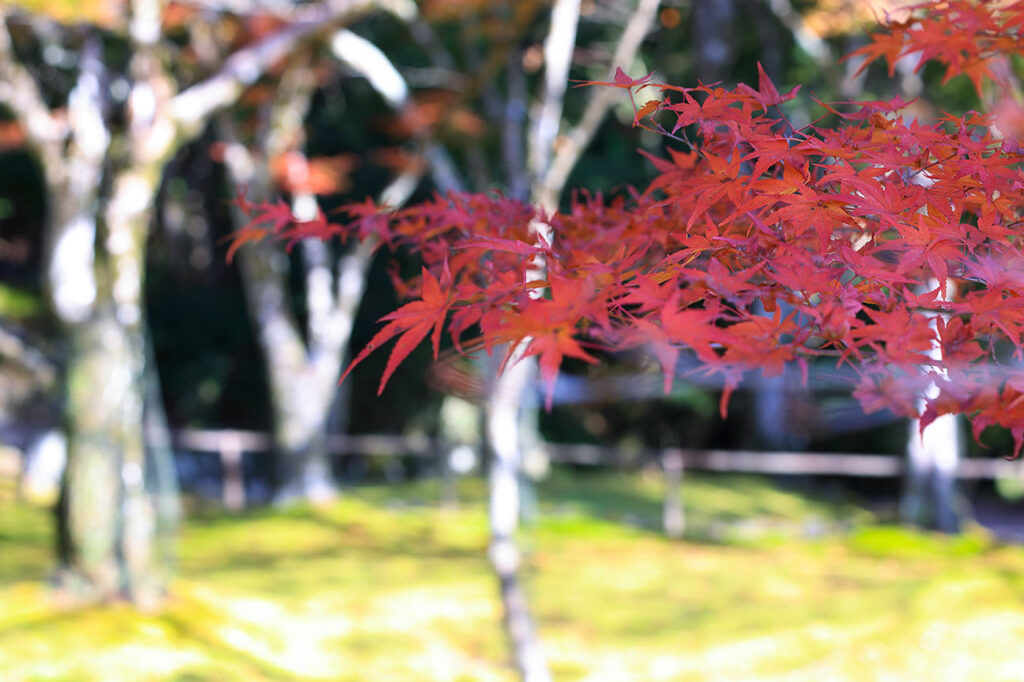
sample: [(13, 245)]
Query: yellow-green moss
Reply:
[(384, 585)]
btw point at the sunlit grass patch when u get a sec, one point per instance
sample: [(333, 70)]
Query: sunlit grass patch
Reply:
[(898, 541), (26, 543), (384, 585)]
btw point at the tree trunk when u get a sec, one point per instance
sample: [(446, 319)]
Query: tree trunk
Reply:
[(930, 498), (111, 521), (502, 416), (714, 38), (673, 515), (118, 493), (303, 376), (302, 369), (930, 490), (299, 409)]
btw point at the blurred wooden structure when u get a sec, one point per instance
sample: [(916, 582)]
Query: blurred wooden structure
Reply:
[(231, 444)]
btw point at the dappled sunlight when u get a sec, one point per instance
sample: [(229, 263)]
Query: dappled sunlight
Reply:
[(423, 607), (296, 642), (383, 585), (90, 644), (875, 650), (308, 640)]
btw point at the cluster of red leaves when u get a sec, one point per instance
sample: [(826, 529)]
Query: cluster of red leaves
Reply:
[(757, 245), (972, 37)]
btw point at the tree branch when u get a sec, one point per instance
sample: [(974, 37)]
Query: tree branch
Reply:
[(577, 140), (192, 107), (15, 350), (513, 115), (558, 49), (21, 94), (366, 59)]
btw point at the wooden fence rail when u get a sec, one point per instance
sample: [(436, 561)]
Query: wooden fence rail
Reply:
[(230, 444)]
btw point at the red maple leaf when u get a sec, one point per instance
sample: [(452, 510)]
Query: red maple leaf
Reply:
[(411, 323)]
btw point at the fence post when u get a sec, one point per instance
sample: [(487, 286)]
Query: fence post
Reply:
[(673, 518), (229, 447)]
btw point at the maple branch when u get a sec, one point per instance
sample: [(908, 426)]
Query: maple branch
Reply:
[(577, 139)]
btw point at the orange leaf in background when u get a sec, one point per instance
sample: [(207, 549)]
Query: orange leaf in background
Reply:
[(257, 94), (448, 10), (178, 14), (397, 159), (466, 122), (294, 172), (12, 135), (425, 112), (261, 24)]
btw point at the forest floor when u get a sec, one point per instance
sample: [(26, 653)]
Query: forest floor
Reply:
[(384, 585)]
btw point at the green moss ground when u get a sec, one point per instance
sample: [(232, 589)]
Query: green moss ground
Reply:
[(770, 585)]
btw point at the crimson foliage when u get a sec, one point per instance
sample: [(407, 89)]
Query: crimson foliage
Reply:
[(886, 243)]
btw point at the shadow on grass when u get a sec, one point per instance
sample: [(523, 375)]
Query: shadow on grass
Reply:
[(345, 540), (721, 509), (43, 623), (227, 654)]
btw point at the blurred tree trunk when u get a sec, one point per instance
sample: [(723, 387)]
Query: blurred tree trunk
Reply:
[(303, 365), (302, 372), (714, 35), (548, 167), (102, 165), (107, 516), (930, 498)]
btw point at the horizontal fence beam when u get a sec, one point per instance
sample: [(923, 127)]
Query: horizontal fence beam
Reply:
[(232, 441)]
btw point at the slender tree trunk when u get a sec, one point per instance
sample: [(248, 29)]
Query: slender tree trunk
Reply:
[(930, 497), (300, 402), (502, 416), (714, 38), (548, 172), (303, 375), (673, 515)]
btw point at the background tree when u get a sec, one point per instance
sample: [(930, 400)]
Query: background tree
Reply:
[(102, 163)]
